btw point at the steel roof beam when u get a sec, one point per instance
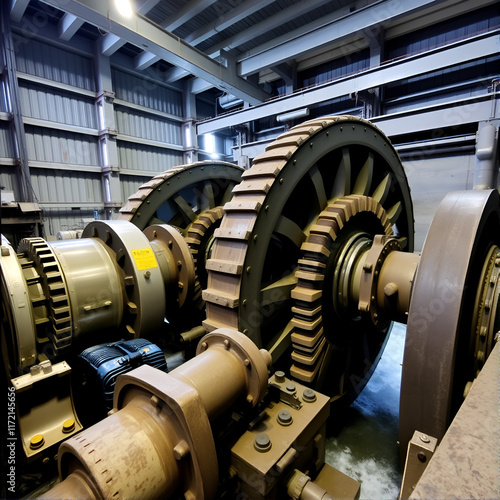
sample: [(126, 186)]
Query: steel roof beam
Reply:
[(142, 33), (235, 15), (110, 43), (360, 20), (68, 26), (440, 58), (190, 10), (17, 9)]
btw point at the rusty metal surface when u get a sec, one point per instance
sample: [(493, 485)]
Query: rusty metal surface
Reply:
[(467, 462), (439, 350)]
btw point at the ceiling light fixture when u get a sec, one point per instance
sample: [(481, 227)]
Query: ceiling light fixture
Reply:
[(124, 7)]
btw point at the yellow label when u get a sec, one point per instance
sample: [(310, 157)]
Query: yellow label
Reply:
[(144, 258)]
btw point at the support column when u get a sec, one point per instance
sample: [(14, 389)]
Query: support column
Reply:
[(107, 137), (376, 39), (26, 193), (189, 135)]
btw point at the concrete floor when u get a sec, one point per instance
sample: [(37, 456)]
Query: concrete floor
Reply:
[(366, 447)]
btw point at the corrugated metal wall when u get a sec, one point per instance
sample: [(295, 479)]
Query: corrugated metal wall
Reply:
[(146, 158), (6, 144), (151, 127), (148, 117), (56, 220), (53, 63), (57, 88), (77, 189), (58, 146), (146, 92), (47, 103)]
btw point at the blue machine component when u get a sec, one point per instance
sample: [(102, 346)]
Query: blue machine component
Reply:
[(100, 366)]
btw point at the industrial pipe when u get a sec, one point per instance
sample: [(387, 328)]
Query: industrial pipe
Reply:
[(158, 440)]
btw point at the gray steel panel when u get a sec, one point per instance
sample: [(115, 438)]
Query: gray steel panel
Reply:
[(3, 96), (8, 180), (51, 104), (139, 157), (56, 220), (430, 180), (41, 59), (57, 146), (130, 184), (155, 128), (146, 92), (59, 186), (6, 144)]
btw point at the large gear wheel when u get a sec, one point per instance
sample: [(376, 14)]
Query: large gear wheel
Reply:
[(178, 196), (190, 198), (254, 260)]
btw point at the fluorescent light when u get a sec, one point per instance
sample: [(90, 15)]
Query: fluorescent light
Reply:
[(124, 7), (293, 115)]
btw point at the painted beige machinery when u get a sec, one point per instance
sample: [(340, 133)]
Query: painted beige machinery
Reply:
[(159, 442), (313, 260), (121, 279)]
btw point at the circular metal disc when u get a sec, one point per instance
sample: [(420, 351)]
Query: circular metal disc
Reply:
[(439, 351)]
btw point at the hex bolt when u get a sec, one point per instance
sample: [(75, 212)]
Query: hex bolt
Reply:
[(390, 289), (204, 345), (309, 396), (181, 449), (290, 387), (147, 274), (425, 438), (262, 442), (279, 376), (227, 344), (284, 418), (247, 362), (422, 456)]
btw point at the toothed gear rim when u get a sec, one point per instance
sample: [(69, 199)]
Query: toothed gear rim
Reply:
[(255, 255), (57, 325), (326, 330)]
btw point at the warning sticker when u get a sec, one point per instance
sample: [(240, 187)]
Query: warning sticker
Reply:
[(144, 258)]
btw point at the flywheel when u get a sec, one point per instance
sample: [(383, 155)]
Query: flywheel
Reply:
[(454, 312), (285, 250)]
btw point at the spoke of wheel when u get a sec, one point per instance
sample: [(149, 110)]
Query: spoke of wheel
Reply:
[(319, 186), (287, 227), (342, 184), (382, 190), (394, 212), (186, 211), (208, 196), (364, 179), (228, 194), (280, 343), (278, 291)]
